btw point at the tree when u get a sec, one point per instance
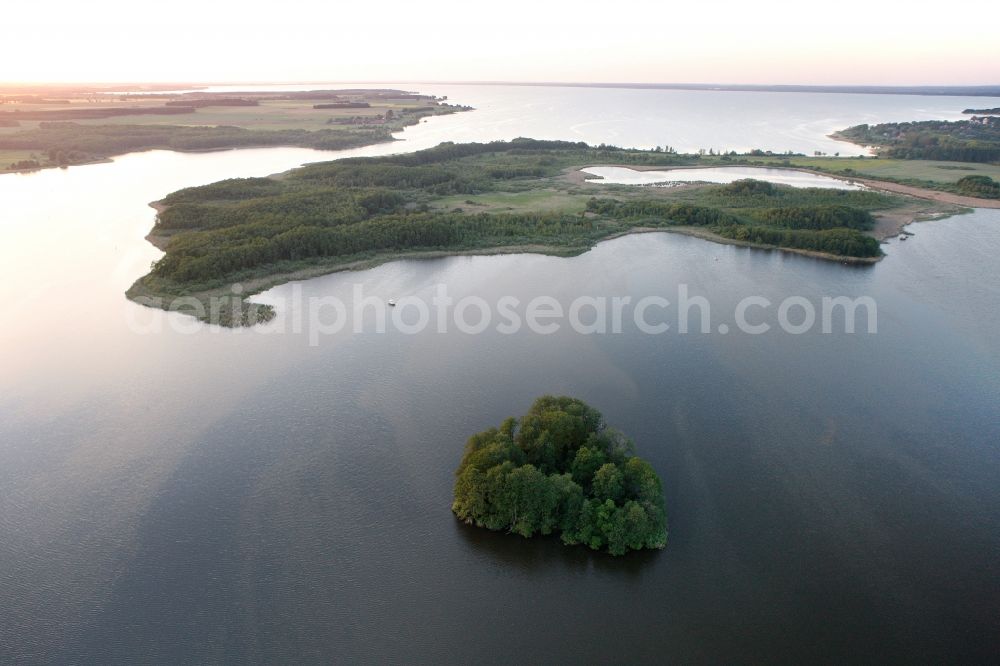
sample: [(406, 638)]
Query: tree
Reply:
[(586, 462), (560, 469), (607, 484), (531, 501), (979, 186)]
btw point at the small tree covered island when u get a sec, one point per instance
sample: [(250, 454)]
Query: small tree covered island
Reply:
[(560, 469)]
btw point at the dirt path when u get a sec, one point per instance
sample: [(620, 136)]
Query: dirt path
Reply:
[(922, 193)]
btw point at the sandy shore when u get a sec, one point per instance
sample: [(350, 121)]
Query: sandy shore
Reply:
[(922, 193)]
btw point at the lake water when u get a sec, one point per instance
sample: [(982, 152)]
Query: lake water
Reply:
[(612, 175), (687, 120), (202, 495)]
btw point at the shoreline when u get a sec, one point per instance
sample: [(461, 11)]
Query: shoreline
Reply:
[(191, 151), (143, 294), (142, 291)]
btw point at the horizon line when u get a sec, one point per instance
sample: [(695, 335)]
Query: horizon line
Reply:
[(940, 90)]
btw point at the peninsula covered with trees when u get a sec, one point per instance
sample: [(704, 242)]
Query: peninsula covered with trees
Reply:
[(560, 469), (517, 196), (974, 140)]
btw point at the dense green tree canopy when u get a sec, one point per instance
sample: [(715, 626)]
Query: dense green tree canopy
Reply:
[(973, 140), (455, 198), (979, 186), (560, 469)]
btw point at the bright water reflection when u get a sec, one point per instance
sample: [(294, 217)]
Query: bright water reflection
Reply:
[(613, 175)]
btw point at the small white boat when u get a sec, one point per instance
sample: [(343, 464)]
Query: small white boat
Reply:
[(392, 303)]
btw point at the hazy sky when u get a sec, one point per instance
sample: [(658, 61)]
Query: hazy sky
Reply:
[(720, 41)]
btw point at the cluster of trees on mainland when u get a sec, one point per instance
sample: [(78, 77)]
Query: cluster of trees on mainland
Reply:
[(973, 140), (826, 221), (978, 186), (560, 470)]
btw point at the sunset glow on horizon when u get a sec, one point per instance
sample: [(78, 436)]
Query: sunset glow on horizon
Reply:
[(775, 42)]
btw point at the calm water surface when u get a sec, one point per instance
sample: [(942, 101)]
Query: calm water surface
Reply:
[(225, 496), (613, 175), (687, 120)]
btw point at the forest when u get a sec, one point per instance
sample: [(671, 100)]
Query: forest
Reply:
[(973, 140), (561, 470), (364, 205), (453, 198), (828, 221)]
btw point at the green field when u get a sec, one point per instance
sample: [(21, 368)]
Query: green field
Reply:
[(270, 115), (924, 171), (545, 199), (8, 157), (270, 122)]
